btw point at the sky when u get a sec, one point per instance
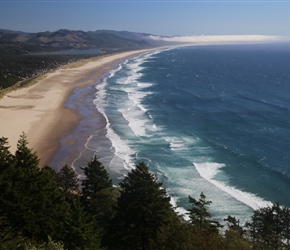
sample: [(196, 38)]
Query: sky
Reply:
[(159, 17)]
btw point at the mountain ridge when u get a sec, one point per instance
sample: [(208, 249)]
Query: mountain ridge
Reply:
[(25, 55), (64, 39)]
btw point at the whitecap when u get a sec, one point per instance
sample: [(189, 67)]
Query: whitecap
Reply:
[(208, 170)]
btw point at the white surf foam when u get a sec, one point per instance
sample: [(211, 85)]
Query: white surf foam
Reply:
[(121, 148), (181, 143), (134, 112), (132, 108), (179, 210), (208, 171)]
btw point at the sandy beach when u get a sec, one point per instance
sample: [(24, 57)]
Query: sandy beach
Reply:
[(40, 111)]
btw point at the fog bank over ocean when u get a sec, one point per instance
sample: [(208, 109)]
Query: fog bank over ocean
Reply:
[(221, 39)]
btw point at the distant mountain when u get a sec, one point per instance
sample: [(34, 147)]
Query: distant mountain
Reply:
[(11, 31), (20, 58), (15, 42), (126, 34)]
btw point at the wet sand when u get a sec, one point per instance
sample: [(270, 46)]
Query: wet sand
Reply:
[(40, 110)]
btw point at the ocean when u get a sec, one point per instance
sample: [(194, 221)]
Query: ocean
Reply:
[(212, 119)]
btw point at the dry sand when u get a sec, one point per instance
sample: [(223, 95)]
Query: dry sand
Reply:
[(39, 110)]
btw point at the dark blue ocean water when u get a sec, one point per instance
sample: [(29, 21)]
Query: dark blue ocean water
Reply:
[(212, 119)]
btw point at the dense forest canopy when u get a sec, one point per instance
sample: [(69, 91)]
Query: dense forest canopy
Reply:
[(44, 209)]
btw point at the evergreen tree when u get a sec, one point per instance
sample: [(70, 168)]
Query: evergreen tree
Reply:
[(6, 158), (200, 216), (206, 233), (178, 234), (235, 235), (69, 182), (31, 200), (55, 210), (12, 199), (8, 231), (41, 207), (143, 208), (234, 225), (97, 191), (270, 227), (6, 167), (97, 178), (198, 213), (24, 156), (81, 230)]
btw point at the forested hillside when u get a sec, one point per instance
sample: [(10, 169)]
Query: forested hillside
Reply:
[(44, 209), (16, 68), (25, 55), (71, 39)]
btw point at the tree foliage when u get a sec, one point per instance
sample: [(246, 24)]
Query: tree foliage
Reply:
[(42, 209), (24, 156), (31, 202), (97, 192), (69, 182), (83, 233), (6, 158), (236, 235), (199, 215), (97, 179), (34, 203), (270, 227), (143, 208), (49, 245)]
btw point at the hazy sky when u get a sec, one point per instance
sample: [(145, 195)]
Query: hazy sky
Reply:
[(156, 17)]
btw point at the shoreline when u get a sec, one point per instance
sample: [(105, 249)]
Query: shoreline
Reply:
[(39, 110)]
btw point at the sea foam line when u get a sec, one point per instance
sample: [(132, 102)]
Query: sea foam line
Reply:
[(121, 148), (208, 170), (132, 109)]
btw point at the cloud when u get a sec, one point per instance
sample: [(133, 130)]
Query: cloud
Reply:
[(219, 39)]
